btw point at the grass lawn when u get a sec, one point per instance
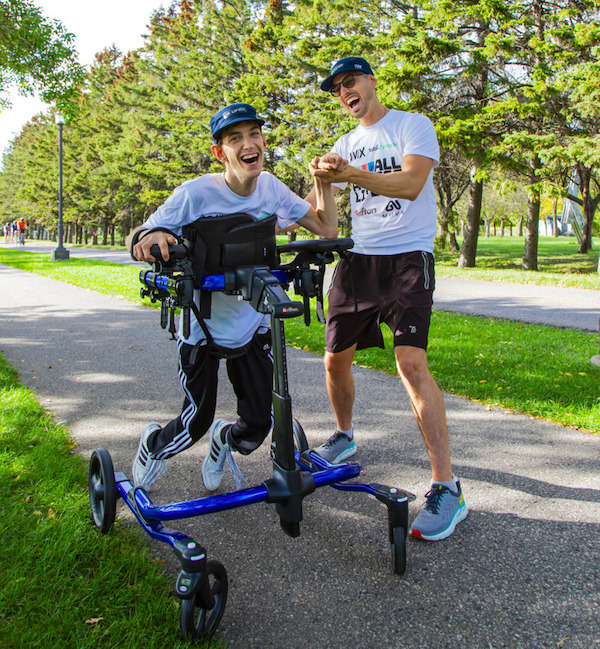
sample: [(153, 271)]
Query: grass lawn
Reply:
[(499, 260), (62, 583)]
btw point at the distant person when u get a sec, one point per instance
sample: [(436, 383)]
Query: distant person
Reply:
[(388, 276), (21, 227), (236, 331)]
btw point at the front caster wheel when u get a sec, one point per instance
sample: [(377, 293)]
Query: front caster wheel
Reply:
[(196, 621), (399, 550), (102, 489)]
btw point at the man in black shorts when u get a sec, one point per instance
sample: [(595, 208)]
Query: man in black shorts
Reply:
[(388, 277)]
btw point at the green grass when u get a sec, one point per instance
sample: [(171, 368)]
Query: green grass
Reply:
[(117, 280), (499, 260), (62, 583)]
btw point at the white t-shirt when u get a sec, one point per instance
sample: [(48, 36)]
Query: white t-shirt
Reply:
[(233, 321), (382, 225)]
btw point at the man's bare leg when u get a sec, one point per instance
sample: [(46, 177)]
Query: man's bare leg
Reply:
[(428, 406), (340, 385)]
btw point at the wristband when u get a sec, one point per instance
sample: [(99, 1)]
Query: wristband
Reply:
[(140, 234)]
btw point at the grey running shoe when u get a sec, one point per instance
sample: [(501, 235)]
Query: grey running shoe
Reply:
[(442, 512), (145, 468), (213, 466), (337, 448)]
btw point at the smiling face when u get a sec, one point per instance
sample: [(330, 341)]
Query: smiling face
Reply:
[(361, 97), (241, 149)]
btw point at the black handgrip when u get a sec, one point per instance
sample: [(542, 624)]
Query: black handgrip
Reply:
[(317, 245), (176, 251)]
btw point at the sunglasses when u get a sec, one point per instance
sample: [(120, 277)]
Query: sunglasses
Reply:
[(348, 82)]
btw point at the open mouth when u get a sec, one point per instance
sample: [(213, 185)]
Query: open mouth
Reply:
[(250, 158), (352, 102)]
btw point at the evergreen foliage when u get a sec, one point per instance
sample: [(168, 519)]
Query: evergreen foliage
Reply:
[(511, 86)]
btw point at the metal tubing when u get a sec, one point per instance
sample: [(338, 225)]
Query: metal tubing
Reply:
[(200, 506)]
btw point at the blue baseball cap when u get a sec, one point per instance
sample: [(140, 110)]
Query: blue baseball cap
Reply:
[(231, 115), (348, 64)]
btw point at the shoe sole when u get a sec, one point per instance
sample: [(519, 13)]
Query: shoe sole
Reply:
[(344, 455), (459, 516)]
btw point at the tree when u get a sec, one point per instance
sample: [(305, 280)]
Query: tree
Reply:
[(553, 37), (451, 180), (36, 54)]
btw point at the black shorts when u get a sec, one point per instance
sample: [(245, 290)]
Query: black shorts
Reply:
[(368, 290)]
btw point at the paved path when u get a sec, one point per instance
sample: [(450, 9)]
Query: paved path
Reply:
[(522, 572), (549, 305)]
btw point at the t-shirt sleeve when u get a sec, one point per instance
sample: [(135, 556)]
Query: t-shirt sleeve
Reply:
[(173, 214), (420, 138), (290, 207)]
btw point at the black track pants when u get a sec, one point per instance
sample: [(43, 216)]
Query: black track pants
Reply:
[(251, 376)]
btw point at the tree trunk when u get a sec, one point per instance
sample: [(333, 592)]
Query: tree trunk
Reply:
[(532, 227), (441, 239), (584, 186), (468, 252)]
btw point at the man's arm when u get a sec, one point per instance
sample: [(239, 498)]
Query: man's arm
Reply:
[(322, 216), (407, 183)]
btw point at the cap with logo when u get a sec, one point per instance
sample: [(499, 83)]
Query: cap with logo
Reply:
[(348, 64), (232, 114)]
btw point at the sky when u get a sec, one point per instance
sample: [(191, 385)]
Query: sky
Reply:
[(96, 25)]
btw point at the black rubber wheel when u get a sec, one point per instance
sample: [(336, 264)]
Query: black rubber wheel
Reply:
[(102, 489), (399, 550), (196, 622), (300, 440)]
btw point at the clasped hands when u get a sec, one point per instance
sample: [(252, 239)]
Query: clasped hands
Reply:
[(328, 168)]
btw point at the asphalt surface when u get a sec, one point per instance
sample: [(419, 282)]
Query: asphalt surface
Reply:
[(523, 570)]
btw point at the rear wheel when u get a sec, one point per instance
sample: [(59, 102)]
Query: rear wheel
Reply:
[(300, 441), (102, 490)]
